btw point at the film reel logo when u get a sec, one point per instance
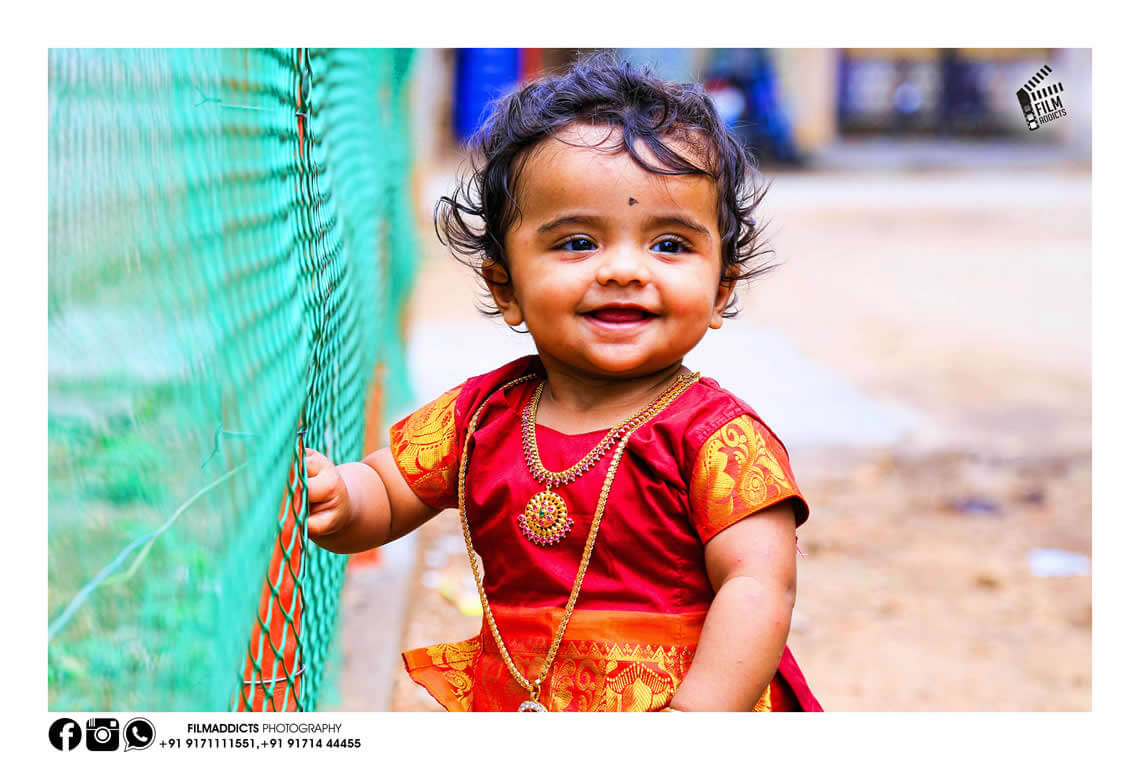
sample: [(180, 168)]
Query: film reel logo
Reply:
[(1040, 102)]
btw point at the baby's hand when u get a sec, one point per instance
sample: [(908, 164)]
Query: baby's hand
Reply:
[(329, 505)]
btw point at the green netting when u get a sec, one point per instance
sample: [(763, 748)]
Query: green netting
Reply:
[(230, 246)]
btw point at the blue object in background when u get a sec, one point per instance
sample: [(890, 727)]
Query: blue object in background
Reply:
[(771, 124), (962, 104), (481, 75), (763, 124)]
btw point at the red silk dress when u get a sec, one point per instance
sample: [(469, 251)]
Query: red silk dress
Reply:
[(700, 465)]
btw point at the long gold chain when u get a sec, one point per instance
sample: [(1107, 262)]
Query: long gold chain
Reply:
[(556, 479), (533, 687)]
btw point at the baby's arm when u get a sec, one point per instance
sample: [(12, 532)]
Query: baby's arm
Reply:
[(752, 567), (360, 505)]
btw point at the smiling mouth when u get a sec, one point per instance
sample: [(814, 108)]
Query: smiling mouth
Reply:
[(620, 316)]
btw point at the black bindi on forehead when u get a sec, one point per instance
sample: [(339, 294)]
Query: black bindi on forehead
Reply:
[(632, 201)]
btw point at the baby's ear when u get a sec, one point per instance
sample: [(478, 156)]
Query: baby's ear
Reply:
[(723, 296), (502, 291)]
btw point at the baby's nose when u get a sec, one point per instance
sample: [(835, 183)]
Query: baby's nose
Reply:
[(623, 265)]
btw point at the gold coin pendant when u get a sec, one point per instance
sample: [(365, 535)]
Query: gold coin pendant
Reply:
[(544, 521)]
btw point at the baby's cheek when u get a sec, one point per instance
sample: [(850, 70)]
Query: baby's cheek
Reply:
[(697, 307)]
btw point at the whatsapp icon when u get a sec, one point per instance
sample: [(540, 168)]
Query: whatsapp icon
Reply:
[(138, 734)]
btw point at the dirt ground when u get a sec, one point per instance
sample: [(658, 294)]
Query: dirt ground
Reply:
[(964, 297)]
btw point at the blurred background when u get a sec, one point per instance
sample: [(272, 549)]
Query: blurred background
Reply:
[(923, 350)]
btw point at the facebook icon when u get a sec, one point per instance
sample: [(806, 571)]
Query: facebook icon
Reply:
[(64, 734)]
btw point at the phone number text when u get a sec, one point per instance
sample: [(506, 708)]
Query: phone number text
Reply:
[(246, 742)]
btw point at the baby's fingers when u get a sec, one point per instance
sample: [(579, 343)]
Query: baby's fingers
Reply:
[(322, 486), (315, 462), (326, 522)]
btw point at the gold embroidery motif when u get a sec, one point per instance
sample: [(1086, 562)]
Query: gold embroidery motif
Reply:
[(424, 447), (738, 472), (593, 676), (454, 662), (457, 656), (632, 687)]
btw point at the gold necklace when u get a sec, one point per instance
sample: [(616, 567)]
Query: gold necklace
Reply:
[(532, 687), (545, 519)]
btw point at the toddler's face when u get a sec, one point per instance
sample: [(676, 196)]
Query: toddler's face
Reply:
[(615, 270)]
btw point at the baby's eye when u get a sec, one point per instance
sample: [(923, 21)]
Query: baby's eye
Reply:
[(669, 245), (577, 244)]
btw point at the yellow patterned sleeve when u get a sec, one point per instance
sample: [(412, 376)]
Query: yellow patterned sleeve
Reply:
[(740, 469), (425, 445)]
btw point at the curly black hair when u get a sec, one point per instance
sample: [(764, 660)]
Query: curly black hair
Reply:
[(600, 90)]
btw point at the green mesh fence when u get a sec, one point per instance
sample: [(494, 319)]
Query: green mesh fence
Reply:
[(230, 247)]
